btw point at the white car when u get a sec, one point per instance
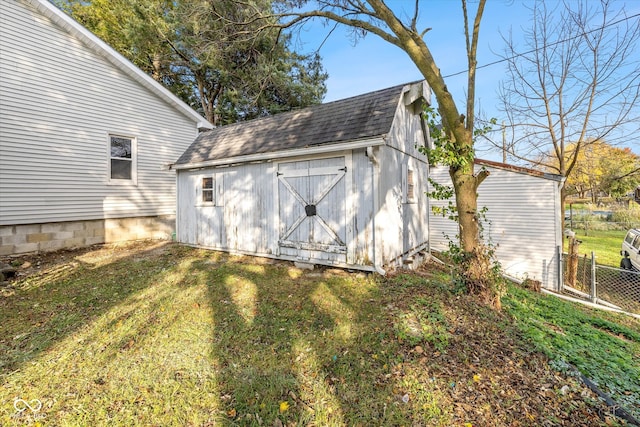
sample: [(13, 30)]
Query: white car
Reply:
[(631, 250)]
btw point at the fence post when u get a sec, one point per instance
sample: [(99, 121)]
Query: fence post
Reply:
[(572, 263), (560, 270), (594, 293)]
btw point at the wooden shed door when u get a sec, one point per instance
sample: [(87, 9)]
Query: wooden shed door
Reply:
[(313, 209)]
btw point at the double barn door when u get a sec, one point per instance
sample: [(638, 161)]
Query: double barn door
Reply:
[(313, 209)]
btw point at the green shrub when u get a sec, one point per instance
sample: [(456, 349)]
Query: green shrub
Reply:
[(627, 218)]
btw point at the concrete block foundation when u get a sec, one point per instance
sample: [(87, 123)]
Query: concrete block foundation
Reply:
[(19, 239)]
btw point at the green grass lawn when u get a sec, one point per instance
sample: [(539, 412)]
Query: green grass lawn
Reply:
[(605, 244), (603, 346), (160, 334), (578, 206)]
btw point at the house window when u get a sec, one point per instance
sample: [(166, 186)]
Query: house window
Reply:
[(122, 158), (207, 190)]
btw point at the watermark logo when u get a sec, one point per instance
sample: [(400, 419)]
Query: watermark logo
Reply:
[(28, 410)]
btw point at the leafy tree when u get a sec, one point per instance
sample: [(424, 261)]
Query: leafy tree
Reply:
[(621, 172), (576, 84), (225, 73), (587, 172), (602, 169), (376, 17)]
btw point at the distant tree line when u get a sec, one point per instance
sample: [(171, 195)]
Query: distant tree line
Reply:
[(603, 169)]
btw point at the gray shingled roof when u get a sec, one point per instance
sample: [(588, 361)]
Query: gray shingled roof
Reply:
[(363, 116)]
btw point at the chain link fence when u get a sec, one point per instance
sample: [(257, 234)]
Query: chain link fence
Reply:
[(609, 286), (589, 225), (612, 217)]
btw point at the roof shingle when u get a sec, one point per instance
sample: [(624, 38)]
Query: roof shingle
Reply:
[(359, 117)]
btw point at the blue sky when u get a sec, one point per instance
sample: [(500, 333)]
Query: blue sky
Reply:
[(371, 63)]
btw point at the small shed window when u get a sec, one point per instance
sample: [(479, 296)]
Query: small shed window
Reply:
[(122, 159), (207, 190), (410, 185)]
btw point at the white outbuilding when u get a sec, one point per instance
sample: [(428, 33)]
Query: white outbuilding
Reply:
[(522, 219), (341, 183)]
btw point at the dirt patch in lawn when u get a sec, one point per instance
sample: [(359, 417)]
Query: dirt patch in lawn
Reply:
[(36, 263)]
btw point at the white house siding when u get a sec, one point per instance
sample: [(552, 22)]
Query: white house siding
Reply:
[(523, 214), (59, 102)]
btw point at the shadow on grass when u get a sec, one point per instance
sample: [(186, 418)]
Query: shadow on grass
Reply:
[(300, 348), (189, 337), (45, 308), (299, 352)]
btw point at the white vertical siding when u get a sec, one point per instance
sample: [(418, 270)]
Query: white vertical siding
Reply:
[(248, 208), (186, 225), (241, 218), (523, 216), (257, 209), (402, 226), (406, 133), (59, 101), (362, 208)]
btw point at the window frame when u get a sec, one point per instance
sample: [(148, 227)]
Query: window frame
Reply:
[(209, 190), (630, 237), (409, 184), (134, 160)]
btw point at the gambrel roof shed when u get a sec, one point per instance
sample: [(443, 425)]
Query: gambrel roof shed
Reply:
[(345, 121), (340, 183)]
